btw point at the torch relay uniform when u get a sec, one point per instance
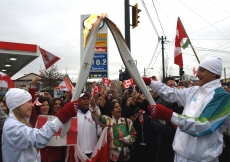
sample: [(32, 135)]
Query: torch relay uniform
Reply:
[(205, 116), (89, 131), (199, 136), (20, 142)]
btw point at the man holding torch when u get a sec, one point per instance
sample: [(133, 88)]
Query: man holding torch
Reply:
[(205, 116)]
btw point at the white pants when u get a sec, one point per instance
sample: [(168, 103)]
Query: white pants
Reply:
[(179, 158)]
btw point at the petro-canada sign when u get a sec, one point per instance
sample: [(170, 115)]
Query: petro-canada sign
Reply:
[(100, 27)]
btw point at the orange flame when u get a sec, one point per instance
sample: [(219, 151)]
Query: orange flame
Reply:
[(88, 25)]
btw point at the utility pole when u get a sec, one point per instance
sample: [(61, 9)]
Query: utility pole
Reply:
[(163, 57), (144, 71), (127, 33)]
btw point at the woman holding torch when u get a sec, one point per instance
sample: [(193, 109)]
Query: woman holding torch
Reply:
[(19, 138)]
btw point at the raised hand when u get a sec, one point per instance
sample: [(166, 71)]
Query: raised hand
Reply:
[(92, 102), (34, 82)]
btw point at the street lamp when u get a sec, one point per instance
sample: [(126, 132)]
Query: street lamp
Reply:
[(146, 70)]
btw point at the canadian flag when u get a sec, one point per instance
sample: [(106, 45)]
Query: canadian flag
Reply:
[(194, 71), (128, 83), (100, 153), (5, 81), (180, 34), (96, 89), (65, 85), (48, 58), (106, 81), (69, 139), (61, 86)]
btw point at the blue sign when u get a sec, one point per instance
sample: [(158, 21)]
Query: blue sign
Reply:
[(99, 62), (98, 74)]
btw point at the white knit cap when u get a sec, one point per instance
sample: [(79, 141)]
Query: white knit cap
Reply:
[(16, 97), (212, 64)]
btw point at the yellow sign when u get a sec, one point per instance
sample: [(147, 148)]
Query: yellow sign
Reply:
[(101, 40)]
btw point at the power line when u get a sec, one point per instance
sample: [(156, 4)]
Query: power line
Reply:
[(157, 57), (207, 49), (154, 53), (209, 25), (166, 16), (219, 7), (146, 10), (204, 19), (191, 62), (218, 48), (158, 18)]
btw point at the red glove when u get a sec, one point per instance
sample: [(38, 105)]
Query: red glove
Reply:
[(146, 80), (68, 111), (160, 112)]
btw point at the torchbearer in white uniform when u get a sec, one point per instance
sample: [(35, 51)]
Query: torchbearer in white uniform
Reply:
[(206, 114), (21, 142)]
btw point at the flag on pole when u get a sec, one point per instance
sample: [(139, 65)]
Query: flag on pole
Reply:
[(69, 139), (106, 82), (180, 34), (48, 58)]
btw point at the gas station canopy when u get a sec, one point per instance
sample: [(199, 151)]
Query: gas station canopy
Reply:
[(15, 56)]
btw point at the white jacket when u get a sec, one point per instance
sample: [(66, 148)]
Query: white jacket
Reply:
[(20, 142), (201, 125), (88, 132)]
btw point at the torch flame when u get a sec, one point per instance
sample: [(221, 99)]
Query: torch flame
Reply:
[(88, 25)]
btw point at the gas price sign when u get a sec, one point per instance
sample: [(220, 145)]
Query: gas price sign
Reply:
[(99, 62)]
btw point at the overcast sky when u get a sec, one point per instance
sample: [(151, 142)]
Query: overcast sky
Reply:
[(54, 25)]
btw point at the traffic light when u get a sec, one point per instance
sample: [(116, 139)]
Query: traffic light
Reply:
[(135, 16), (181, 71)]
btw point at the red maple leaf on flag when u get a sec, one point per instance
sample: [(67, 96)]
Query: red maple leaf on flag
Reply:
[(48, 58), (180, 34), (96, 89), (126, 83), (106, 82)]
